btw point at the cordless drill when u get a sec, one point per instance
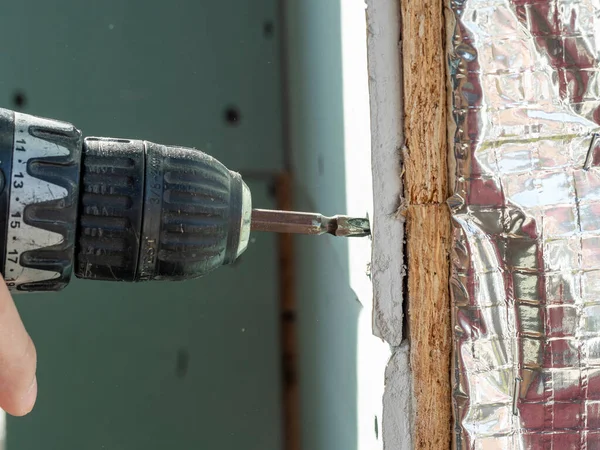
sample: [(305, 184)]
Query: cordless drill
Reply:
[(124, 210)]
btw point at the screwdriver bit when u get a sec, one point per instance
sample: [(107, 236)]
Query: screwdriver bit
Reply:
[(309, 223)]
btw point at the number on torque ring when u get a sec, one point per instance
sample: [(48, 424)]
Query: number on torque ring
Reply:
[(16, 258)]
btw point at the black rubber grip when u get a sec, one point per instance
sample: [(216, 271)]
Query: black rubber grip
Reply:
[(111, 209), (154, 212)]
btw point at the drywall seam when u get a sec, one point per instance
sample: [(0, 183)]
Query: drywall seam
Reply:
[(387, 266)]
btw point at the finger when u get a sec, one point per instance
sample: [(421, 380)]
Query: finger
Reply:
[(18, 384)]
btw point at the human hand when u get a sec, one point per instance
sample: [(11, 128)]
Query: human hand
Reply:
[(18, 384)]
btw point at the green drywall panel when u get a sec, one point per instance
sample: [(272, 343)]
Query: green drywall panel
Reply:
[(152, 69), (327, 307), (189, 365)]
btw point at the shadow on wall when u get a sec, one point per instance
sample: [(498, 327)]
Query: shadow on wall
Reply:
[(327, 308)]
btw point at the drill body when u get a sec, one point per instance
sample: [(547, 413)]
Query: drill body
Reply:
[(111, 209)]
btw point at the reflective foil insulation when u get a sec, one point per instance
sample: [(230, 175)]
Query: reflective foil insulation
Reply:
[(525, 160)]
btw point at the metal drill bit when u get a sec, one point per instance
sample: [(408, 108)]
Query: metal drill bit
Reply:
[(308, 223)]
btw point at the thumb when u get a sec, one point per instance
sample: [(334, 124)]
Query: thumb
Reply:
[(18, 383)]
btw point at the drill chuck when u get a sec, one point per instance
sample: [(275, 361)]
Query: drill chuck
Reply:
[(112, 209)]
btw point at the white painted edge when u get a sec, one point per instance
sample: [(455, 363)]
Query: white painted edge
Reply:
[(397, 402), (387, 263), (385, 83)]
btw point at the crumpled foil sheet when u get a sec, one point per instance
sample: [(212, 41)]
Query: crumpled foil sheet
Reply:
[(525, 106)]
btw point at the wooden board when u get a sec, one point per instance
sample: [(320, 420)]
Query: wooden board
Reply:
[(428, 242), (428, 220)]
